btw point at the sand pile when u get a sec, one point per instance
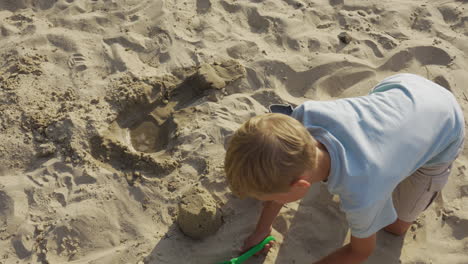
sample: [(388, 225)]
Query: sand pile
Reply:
[(111, 110), (198, 215)]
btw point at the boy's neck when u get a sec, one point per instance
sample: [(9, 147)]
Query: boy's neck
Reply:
[(322, 170)]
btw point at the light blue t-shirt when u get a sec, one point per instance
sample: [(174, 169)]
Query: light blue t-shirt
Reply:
[(377, 140)]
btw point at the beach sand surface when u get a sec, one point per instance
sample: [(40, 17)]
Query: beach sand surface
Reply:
[(112, 112)]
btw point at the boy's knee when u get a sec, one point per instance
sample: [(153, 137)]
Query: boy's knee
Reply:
[(395, 231), (398, 228)]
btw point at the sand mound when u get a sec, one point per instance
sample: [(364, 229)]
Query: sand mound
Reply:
[(198, 214)]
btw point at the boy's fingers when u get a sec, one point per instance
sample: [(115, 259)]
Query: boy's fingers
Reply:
[(265, 249), (270, 245)]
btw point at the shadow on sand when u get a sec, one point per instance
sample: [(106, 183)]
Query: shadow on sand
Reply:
[(319, 227), (316, 228)]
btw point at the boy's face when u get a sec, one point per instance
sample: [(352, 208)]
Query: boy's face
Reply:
[(283, 198), (296, 192)]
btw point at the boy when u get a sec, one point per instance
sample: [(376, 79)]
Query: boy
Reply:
[(387, 155)]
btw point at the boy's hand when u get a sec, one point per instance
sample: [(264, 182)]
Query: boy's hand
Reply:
[(254, 239), (269, 212)]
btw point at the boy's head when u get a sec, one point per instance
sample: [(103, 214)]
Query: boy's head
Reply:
[(267, 154)]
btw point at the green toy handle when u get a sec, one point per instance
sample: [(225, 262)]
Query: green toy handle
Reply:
[(250, 252)]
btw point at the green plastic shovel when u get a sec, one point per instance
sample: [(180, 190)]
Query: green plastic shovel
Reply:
[(250, 252)]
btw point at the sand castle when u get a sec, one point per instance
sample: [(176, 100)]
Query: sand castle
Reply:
[(199, 215)]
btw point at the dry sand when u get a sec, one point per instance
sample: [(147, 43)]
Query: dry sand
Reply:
[(111, 110)]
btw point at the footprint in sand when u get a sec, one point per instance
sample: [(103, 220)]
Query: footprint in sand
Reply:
[(157, 47), (442, 81), (20, 24), (374, 48), (243, 50), (37, 4), (203, 6), (163, 41), (6, 208), (77, 62), (458, 225), (464, 190), (257, 22)]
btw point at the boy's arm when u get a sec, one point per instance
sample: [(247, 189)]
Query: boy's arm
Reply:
[(264, 225), (270, 211), (357, 251)]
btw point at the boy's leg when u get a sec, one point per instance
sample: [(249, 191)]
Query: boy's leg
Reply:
[(416, 193), (398, 227)]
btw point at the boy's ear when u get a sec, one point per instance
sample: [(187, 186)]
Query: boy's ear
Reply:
[(300, 183)]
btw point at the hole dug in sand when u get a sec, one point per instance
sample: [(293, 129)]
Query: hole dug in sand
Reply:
[(199, 215), (144, 136), (139, 148), (149, 137)]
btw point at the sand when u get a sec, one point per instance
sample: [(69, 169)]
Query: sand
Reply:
[(111, 110), (198, 215)]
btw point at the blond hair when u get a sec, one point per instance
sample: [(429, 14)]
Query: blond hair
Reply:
[(267, 153)]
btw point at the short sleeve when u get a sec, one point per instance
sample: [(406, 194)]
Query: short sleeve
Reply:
[(364, 222)]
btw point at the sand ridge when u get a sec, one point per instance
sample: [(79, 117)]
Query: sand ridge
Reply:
[(111, 110)]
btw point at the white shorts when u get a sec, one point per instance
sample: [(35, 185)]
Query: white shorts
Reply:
[(415, 193)]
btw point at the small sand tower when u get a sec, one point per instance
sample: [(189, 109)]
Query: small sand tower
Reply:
[(199, 215)]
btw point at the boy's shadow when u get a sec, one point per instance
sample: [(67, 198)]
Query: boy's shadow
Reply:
[(174, 247), (314, 229), (319, 227)]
